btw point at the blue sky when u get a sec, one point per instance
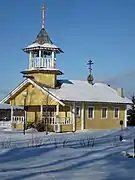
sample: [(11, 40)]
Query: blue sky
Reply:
[(100, 30)]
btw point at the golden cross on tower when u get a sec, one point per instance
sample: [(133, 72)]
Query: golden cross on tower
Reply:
[(43, 16)]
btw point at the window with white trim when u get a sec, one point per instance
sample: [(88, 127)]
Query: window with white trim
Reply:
[(104, 113), (77, 111), (116, 112), (90, 112)]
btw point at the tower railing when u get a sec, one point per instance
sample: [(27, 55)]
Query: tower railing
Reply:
[(40, 62)]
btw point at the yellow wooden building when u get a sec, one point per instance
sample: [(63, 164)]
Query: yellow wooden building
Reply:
[(62, 105)]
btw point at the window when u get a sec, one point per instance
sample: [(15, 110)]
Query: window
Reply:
[(77, 111), (104, 113), (116, 113), (90, 112)]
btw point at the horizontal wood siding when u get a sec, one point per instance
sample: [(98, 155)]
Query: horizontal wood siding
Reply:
[(35, 97), (67, 128), (98, 122)]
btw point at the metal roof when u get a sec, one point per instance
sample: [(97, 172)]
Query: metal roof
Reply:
[(43, 37)]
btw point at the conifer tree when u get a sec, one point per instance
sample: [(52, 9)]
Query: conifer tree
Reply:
[(131, 113)]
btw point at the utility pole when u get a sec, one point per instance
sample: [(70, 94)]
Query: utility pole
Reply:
[(25, 116), (46, 113)]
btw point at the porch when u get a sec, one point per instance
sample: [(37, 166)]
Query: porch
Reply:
[(57, 118)]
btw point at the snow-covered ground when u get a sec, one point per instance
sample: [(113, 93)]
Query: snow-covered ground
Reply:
[(84, 155)]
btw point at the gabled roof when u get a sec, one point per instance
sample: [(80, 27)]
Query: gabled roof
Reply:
[(43, 37), (25, 82), (77, 90)]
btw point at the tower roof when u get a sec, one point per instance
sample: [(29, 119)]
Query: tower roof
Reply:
[(42, 40), (43, 37)]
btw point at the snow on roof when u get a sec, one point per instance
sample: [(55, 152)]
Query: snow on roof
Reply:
[(45, 45), (46, 69), (43, 69), (77, 90)]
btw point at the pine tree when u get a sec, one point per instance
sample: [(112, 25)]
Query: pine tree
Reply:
[(131, 113)]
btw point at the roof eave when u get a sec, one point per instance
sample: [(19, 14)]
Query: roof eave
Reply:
[(14, 91), (57, 72), (57, 50), (7, 98), (96, 102)]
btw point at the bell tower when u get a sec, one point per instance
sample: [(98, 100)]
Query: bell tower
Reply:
[(42, 58)]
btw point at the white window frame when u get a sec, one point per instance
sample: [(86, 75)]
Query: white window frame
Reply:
[(118, 112), (77, 115), (106, 112), (92, 113)]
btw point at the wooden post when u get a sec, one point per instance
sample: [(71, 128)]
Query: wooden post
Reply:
[(12, 113), (57, 109), (125, 124), (30, 60), (46, 113), (57, 123), (25, 115), (74, 117), (41, 112), (82, 116), (39, 53), (52, 60), (71, 115)]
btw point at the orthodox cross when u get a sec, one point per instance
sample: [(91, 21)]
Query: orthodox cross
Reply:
[(89, 65), (43, 16)]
